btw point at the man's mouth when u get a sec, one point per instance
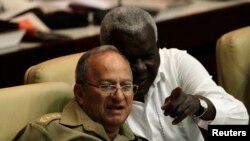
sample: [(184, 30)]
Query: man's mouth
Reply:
[(115, 107)]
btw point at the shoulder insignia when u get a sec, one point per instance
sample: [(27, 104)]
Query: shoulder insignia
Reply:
[(46, 119)]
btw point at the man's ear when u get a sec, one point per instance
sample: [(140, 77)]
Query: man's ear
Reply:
[(78, 94)]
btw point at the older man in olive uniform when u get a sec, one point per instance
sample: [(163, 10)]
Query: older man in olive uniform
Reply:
[(104, 92)]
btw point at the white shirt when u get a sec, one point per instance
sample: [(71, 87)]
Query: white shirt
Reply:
[(178, 68)]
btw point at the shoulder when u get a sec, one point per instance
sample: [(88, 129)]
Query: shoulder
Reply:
[(171, 51), (46, 119), (178, 57), (171, 55), (37, 129)]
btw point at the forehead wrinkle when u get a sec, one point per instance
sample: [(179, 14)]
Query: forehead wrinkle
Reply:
[(109, 61)]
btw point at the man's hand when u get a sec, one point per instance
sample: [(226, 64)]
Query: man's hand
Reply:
[(180, 105)]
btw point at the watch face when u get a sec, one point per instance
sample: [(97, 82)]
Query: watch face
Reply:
[(203, 104)]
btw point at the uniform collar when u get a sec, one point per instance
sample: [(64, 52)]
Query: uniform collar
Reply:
[(73, 115)]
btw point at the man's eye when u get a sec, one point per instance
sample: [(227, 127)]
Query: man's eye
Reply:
[(126, 88), (149, 56), (107, 87)]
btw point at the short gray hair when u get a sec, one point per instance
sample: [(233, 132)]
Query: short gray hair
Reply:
[(128, 19)]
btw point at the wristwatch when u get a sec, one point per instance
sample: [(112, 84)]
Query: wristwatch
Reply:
[(204, 107)]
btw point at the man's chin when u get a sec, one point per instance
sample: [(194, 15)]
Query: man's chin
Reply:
[(116, 121)]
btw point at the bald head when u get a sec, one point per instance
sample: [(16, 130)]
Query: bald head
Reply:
[(83, 66)]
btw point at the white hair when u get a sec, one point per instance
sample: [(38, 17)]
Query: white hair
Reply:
[(128, 19)]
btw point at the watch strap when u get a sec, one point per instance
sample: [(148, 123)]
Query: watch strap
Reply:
[(203, 108)]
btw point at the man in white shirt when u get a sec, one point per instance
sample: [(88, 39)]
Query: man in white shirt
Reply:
[(176, 94)]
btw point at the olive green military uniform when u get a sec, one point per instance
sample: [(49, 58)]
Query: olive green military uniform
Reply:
[(71, 125)]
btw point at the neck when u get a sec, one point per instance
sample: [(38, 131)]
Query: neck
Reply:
[(112, 132)]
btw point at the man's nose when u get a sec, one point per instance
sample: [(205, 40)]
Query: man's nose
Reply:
[(118, 95), (138, 65)]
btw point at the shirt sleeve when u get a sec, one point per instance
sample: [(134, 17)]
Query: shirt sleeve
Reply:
[(33, 132), (194, 79)]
